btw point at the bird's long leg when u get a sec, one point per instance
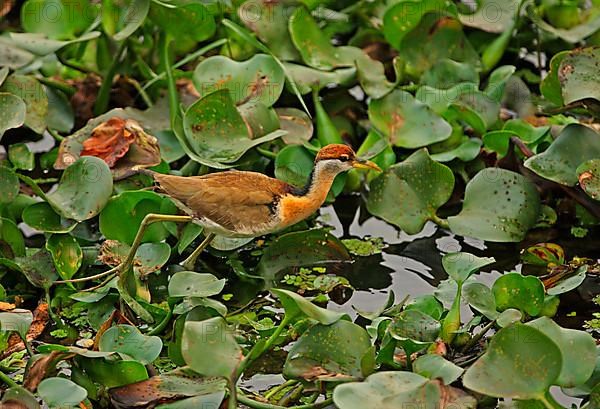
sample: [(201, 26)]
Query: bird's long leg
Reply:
[(190, 262), (123, 268), (147, 221)]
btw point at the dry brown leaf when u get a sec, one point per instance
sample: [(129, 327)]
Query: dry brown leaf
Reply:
[(6, 6), (40, 320), (5, 306), (41, 368), (110, 141)]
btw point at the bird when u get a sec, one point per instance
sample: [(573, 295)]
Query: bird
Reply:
[(243, 204)]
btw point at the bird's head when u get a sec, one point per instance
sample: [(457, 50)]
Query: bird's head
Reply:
[(338, 158)]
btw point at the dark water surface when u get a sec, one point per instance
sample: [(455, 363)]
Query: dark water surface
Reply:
[(412, 266)]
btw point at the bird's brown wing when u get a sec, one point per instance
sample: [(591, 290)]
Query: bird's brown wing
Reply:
[(233, 199)]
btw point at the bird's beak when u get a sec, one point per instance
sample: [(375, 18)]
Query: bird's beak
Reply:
[(365, 164)]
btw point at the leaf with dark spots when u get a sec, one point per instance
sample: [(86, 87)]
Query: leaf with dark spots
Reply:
[(334, 352), (168, 387)]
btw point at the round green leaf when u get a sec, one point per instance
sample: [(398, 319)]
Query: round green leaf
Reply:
[(296, 306), (131, 343), (215, 131), (66, 254), (577, 348), (525, 293), (448, 73), (210, 338), (461, 265), (399, 389), (58, 19), (12, 238), (12, 112), (42, 217), (480, 297), (407, 122), (150, 257), (21, 157), (575, 145), (61, 392), (408, 194), (112, 374), (9, 185), (191, 284), (83, 190), (508, 317), (259, 78), (578, 75), (123, 214), (340, 351), (493, 16), (170, 148), (499, 205), (31, 91), (435, 366), (184, 18), (500, 374), (17, 320), (415, 326)]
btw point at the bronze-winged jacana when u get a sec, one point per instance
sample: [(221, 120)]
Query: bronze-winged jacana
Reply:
[(248, 204)]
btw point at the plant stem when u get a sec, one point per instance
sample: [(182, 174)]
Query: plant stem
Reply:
[(479, 335), (187, 59), (266, 153), (245, 400), (279, 388), (56, 135), (7, 380), (252, 355), (90, 278), (232, 401), (103, 97), (172, 88), (443, 223), (161, 326), (31, 183)]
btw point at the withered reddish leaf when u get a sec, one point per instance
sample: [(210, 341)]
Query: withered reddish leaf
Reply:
[(41, 368), (110, 141), (171, 386)]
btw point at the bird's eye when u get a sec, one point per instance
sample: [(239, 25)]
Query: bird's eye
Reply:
[(344, 158)]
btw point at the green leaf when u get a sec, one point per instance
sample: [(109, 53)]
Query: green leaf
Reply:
[(308, 79), (574, 34), (17, 320), (216, 132), (525, 293), (58, 19), (414, 330), (60, 113), (21, 157), (83, 190), (493, 16), (448, 73), (404, 16), (312, 44), (61, 392), (399, 389), (130, 343), (42, 217), (258, 79), (40, 44), (499, 205), (34, 96), (66, 254), (497, 373), (112, 374), (38, 268), (331, 353), (588, 174), (9, 185), (575, 145), (191, 284), (461, 265), (466, 152), (409, 193), (123, 214), (578, 75), (296, 306), (210, 338), (24, 398), (297, 124), (184, 19), (550, 85), (11, 238), (577, 348), (435, 366), (150, 257), (12, 112), (301, 248), (170, 148), (407, 122), (480, 297), (508, 317), (273, 31)]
